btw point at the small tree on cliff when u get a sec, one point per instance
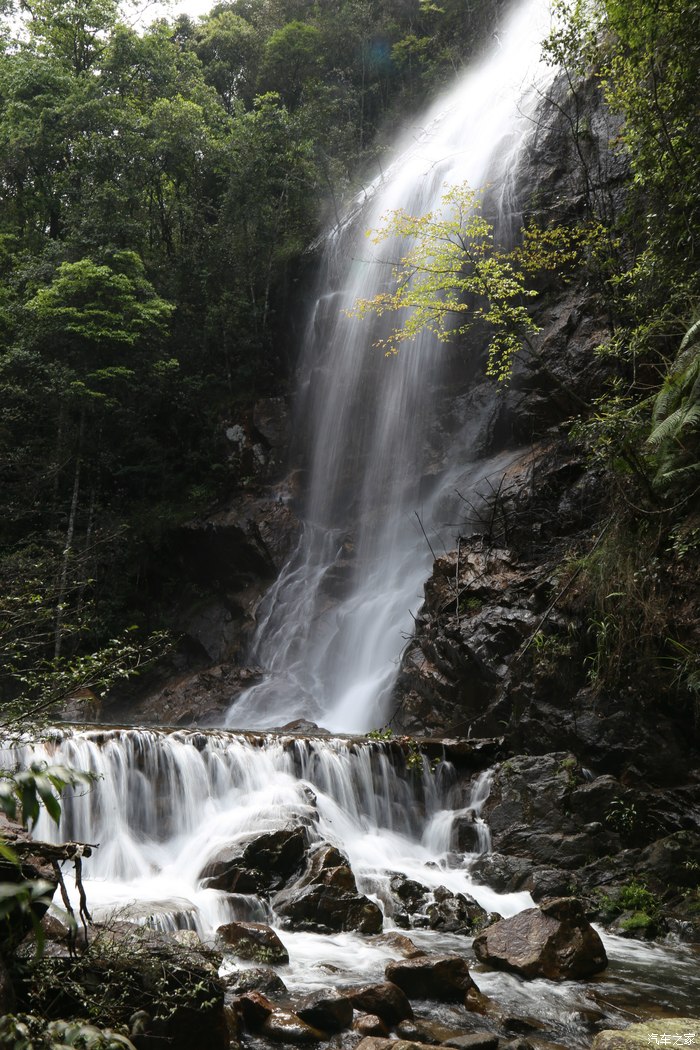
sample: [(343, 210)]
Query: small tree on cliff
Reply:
[(453, 277)]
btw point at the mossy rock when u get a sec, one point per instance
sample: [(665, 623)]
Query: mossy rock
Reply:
[(667, 1032)]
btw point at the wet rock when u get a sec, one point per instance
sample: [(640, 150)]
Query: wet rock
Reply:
[(374, 1043), (400, 943), (256, 978), (530, 811), (668, 1031), (473, 1041), (554, 941), (455, 913), (255, 941), (254, 1008), (325, 897), (370, 1024), (257, 864), (442, 977), (282, 1026), (328, 1010), (501, 873), (385, 1000), (424, 1031), (412, 895)]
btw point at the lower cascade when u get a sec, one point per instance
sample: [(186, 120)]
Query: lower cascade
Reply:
[(163, 807), (334, 847)]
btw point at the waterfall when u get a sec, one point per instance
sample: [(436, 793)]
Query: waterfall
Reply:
[(331, 630), (162, 805)]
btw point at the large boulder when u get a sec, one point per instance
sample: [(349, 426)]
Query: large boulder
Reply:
[(254, 941), (171, 981), (254, 979), (443, 977), (554, 941), (256, 864), (327, 1009), (385, 1000), (325, 897)]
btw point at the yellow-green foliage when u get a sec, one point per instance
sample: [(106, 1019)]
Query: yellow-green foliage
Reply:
[(452, 276)]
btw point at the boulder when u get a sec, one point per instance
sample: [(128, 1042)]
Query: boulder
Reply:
[(370, 1024), (473, 1041), (325, 897), (172, 982), (650, 1035), (442, 977), (375, 1043), (255, 941), (254, 1008), (385, 1000), (412, 895), (255, 979), (400, 943), (425, 1031), (554, 941), (326, 1009), (455, 913), (283, 1026), (258, 864)]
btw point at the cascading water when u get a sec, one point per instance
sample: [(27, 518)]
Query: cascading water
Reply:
[(162, 805), (332, 628)]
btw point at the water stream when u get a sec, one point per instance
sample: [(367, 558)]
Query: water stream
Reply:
[(379, 468), (164, 804)]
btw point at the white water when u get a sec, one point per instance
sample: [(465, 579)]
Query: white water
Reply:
[(163, 805), (332, 628)]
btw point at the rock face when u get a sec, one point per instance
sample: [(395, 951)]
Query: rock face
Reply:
[(325, 897), (553, 941)]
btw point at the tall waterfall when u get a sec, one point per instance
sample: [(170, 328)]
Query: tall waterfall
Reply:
[(331, 629)]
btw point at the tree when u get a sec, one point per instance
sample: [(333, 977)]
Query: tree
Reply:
[(452, 277), (292, 58), (229, 49)]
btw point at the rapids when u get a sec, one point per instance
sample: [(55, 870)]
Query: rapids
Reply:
[(163, 803)]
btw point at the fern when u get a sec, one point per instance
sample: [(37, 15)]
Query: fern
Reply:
[(673, 440)]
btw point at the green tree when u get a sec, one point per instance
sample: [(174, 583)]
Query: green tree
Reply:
[(292, 59), (451, 277)]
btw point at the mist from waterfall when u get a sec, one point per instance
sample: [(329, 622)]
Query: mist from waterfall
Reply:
[(331, 630)]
